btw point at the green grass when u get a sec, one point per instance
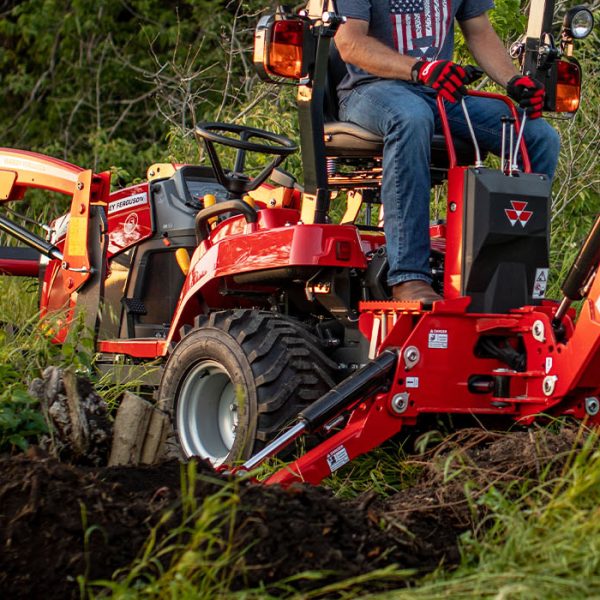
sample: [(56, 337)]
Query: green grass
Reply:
[(18, 300), (544, 545), (540, 543)]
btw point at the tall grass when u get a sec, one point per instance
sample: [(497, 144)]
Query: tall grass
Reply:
[(192, 558), (543, 545), (23, 353), (18, 300)]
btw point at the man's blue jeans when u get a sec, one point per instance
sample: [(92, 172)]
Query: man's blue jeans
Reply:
[(406, 116)]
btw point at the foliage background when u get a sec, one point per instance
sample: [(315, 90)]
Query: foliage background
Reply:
[(119, 84)]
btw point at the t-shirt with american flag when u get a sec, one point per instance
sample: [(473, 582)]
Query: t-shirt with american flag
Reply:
[(420, 28)]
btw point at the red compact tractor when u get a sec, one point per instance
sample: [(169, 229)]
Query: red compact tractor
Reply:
[(264, 312)]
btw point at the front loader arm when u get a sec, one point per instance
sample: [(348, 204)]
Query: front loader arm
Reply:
[(79, 260), (20, 170)]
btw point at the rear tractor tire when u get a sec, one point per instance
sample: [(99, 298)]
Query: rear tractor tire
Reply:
[(236, 379)]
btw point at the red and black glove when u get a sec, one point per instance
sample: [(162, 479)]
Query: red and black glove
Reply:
[(528, 93), (446, 77)]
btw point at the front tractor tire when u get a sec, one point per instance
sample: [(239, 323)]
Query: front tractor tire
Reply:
[(236, 379)]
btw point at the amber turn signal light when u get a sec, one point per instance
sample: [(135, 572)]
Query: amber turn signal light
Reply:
[(568, 86), (279, 46), (285, 49)]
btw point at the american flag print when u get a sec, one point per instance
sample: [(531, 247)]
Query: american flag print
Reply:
[(420, 27)]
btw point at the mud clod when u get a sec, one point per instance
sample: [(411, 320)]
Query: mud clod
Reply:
[(80, 431)]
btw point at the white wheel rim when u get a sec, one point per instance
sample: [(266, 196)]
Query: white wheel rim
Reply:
[(207, 412)]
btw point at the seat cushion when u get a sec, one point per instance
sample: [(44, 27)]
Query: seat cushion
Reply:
[(349, 140), (343, 138)]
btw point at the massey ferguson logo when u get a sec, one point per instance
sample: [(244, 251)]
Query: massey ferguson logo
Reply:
[(518, 214)]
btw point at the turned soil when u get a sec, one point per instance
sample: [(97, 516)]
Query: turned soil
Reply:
[(60, 522)]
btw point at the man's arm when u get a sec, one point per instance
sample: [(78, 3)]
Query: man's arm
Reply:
[(358, 48), (487, 49)]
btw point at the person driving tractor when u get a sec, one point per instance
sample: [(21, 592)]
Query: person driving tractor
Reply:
[(398, 59)]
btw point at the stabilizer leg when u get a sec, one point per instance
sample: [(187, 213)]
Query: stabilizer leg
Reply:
[(371, 424)]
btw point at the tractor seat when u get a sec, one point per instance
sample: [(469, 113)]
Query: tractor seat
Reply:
[(348, 140)]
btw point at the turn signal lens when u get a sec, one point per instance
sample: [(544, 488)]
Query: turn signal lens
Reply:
[(568, 86), (285, 49)]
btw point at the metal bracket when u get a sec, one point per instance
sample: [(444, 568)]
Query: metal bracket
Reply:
[(411, 357)]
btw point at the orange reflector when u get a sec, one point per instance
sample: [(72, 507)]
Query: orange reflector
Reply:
[(568, 86), (343, 250), (209, 200)]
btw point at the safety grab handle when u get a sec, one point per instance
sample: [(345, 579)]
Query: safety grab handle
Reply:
[(235, 206), (490, 95)]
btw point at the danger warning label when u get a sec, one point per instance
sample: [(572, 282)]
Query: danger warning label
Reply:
[(438, 338), (540, 283), (337, 458)]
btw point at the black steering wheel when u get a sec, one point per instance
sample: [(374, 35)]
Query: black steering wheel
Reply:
[(236, 182)]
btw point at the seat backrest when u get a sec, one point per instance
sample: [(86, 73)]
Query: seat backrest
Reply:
[(336, 71)]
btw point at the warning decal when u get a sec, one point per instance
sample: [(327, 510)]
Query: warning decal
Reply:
[(337, 458), (130, 202), (438, 338), (540, 283)]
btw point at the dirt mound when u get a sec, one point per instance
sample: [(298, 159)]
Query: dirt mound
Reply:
[(58, 522), (47, 511), (47, 507), (437, 502)]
